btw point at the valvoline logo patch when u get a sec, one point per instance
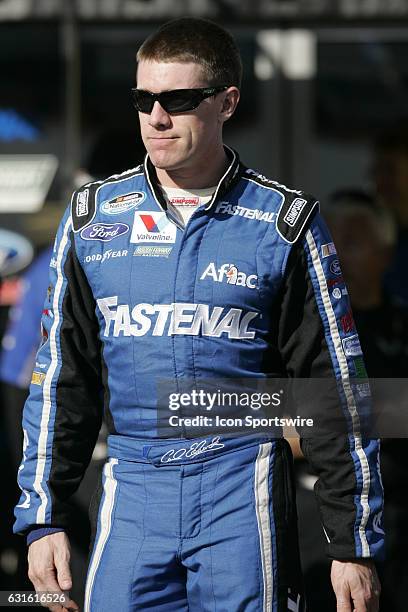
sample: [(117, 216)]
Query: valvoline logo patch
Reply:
[(104, 232), (123, 203), (152, 225)]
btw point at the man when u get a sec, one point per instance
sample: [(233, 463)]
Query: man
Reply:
[(182, 524)]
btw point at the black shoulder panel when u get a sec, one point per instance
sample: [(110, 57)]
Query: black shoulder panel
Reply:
[(296, 211), (83, 205)]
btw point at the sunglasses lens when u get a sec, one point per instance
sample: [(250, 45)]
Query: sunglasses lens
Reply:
[(180, 100), (142, 101), (175, 101)]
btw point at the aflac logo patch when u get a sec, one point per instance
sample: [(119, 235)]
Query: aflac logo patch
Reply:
[(105, 232), (231, 274), (152, 226), (123, 203)]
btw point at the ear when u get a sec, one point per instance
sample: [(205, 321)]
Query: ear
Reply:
[(229, 103)]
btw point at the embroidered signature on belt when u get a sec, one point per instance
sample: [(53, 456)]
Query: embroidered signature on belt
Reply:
[(197, 448)]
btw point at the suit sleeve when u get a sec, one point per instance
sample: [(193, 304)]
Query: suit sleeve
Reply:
[(63, 413), (318, 340)]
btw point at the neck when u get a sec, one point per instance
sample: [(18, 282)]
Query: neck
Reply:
[(206, 175)]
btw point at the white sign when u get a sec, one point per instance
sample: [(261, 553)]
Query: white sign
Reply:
[(25, 181)]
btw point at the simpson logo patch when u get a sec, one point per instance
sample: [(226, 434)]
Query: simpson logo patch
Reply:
[(294, 211)]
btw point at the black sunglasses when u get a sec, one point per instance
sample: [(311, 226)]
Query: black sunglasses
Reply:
[(173, 101)]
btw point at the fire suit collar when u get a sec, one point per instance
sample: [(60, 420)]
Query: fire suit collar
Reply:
[(226, 182)]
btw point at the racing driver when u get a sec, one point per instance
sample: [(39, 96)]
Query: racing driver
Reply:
[(192, 266)]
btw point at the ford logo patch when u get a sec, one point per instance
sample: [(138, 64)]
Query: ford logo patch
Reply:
[(105, 232)]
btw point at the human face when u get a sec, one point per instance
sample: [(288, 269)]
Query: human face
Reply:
[(188, 141)]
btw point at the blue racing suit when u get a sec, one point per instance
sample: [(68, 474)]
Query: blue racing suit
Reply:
[(136, 297)]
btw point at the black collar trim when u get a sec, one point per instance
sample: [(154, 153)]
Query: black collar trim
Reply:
[(226, 182)]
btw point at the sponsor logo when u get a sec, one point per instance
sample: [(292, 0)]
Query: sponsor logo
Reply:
[(335, 267), (152, 251), (328, 249), (82, 203), (151, 226), (42, 366), (294, 211), (377, 523), (335, 281), (347, 322), (360, 368), (248, 213), (108, 254), (123, 203), (185, 201), (171, 319), (38, 378), (351, 346), (363, 390), (263, 178), (105, 232), (337, 293), (197, 448), (48, 313), (231, 274), (53, 262)]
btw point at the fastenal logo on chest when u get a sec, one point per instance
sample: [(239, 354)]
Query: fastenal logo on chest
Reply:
[(182, 318), (230, 274), (248, 213)]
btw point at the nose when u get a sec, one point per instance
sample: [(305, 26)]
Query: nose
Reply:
[(158, 118)]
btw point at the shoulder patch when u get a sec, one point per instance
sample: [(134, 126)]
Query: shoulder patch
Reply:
[(295, 212), (83, 206)]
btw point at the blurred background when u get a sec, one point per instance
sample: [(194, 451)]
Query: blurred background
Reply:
[(324, 108)]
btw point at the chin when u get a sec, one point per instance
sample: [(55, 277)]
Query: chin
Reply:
[(164, 161)]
